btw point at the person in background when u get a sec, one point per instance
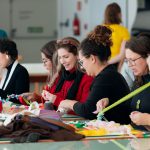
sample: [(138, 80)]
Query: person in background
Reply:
[(120, 34), (48, 55), (3, 34), (71, 82), (94, 54), (16, 79), (138, 57)]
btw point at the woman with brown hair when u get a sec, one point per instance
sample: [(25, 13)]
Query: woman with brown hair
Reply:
[(48, 52), (137, 56), (71, 83), (120, 34), (94, 54)]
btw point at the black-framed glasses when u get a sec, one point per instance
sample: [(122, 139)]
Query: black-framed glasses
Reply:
[(80, 62), (131, 62), (44, 61)]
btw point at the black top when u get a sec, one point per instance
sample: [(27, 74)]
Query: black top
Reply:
[(141, 102), (107, 84), (18, 84)]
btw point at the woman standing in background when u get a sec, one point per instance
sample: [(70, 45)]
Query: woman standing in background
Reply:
[(120, 33)]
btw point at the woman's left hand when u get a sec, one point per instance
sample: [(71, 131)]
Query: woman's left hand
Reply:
[(139, 118)]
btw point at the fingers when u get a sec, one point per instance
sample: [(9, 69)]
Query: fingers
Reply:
[(101, 104), (99, 107)]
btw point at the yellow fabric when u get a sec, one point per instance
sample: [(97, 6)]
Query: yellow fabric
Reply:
[(119, 34)]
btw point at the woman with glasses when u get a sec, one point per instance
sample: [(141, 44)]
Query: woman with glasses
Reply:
[(137, 56), (48, 54), (94, 54), (71, 83)]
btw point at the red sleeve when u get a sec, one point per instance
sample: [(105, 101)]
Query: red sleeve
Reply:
[(84, 88), (82, 93), (59, 97)]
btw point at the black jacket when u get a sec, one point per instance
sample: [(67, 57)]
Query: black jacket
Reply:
[(141, 102), (18, 84), (107, 84)]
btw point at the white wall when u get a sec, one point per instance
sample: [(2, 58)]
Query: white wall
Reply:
[(18, 15), (92, 14)]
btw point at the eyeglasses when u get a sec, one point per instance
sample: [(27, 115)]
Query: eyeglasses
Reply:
[(44, 61), (131, 62), (80, 62)]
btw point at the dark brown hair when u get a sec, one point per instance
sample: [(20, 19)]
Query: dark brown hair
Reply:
[(49, 48), (9, 47), (141, 46), (112, 14), (97, 43)]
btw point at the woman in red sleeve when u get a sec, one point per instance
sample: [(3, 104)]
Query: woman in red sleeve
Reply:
[(71, 83), (47, 55)]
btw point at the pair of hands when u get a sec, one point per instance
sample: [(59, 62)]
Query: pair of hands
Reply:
[(136, 117), (45, 95), (68, 105)]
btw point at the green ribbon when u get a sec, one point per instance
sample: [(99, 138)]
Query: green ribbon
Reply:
[(125, 98)]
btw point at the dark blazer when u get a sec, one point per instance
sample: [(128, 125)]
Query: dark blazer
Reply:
[(141, 102), (107, 84), (18, 84)]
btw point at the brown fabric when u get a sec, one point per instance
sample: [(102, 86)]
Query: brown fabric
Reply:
[(31, 129), (65, 135)]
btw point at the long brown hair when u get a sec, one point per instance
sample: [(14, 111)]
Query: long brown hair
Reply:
[(112, 14), (49, 50)]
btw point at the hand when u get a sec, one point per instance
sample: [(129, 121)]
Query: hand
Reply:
[(62, 111), (101, 104), (67, 104), (140, 118), (48, 96)]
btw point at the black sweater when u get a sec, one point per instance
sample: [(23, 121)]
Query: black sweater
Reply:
[(107, 84), (141, 102), (18, 84)]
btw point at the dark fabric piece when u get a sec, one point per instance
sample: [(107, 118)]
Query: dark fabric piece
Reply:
[(18, 84), (66, 75), (31, 129), (107, 84)]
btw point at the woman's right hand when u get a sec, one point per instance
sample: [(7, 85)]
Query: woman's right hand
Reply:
[(101, 104)]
